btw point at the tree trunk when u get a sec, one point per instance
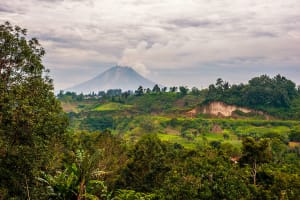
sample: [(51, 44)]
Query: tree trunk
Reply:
[(254, 172), (81, 189), (27, 189)]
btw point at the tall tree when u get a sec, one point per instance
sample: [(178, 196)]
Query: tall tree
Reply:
[(255, 153), (139, 91), (156, 89), (147, 165), (31, 118), (173, 89), (195, 91), (183, 90)]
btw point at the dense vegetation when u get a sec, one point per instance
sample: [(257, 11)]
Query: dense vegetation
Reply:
[(277, 96), (143, 144), (31, 118)]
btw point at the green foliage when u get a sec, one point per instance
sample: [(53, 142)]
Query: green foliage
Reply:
[(63, 185), (133, 195), (146, 168), (147, 125), (30, 116), (153, 102), (183, 90), (275, 95), (96, 122), (156, 89), (174, 122), (255, 153), (173, 89), (69, 96), (76, 181), (203, 175), (295, 135), (188, 161), (195, 91), (275, 92), (148, 147), (112, 107), (139, 91)]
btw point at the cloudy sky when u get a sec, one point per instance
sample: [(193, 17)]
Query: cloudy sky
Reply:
[(172, 42)]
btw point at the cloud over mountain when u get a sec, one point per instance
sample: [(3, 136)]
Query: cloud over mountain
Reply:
[(153, 36)]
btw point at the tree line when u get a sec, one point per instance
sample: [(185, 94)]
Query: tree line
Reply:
[(259, 92)]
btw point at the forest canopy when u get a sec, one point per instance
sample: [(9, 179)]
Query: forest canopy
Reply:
[(260, 91)]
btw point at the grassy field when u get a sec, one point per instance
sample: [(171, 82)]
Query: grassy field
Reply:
[(166, 116), (203, 139), (178, 140), (111, 106), (77, 106)]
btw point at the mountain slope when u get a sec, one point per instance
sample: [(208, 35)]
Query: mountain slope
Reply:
[(117, 77)]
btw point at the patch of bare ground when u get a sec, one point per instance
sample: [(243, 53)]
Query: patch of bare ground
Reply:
[(293, 145), (172, 131), (69, 107)]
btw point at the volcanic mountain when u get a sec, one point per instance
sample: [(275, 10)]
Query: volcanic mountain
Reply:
[(117, 77)]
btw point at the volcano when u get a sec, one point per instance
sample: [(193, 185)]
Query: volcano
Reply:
[(117, 77)]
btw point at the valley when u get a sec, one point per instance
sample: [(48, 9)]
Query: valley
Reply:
[(176, 119), (191, 141)]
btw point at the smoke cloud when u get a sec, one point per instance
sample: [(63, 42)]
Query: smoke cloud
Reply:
[(133, 57)]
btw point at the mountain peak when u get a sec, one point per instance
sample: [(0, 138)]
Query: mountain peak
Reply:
[(117, 77)]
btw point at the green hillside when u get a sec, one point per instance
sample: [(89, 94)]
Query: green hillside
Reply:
[(174, 152)]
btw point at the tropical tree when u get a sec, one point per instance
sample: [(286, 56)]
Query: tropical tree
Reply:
[(173, 89), (164, 89), (156, 89), (79, 180), (183, 90), (31, 118), (139, 91), (195, 91), (146, 168), (255, 153)]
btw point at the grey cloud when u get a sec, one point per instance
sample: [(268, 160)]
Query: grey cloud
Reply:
[(291, 23), (55, 39), (240, 61), (188, 35), (264, 34), (6, 9), (193, 23), (51, 1), (249, 59), (11, 8), (293, 19), (55, 1)]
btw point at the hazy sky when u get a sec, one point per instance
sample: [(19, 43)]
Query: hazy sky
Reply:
[(172, 42)]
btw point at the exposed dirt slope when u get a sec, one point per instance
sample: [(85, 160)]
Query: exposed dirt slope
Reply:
[(221, 109)]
